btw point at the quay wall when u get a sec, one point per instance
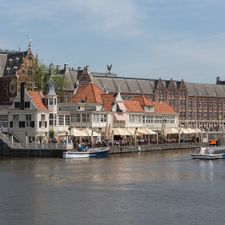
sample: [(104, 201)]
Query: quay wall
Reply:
[(153, 147), (31, 151)]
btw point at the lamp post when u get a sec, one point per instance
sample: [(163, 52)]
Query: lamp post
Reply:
[(66, 139), (92, 138), (135, 134), (113, 138)]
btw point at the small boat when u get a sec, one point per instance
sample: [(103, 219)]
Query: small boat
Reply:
[(89, 153), (209, 153)]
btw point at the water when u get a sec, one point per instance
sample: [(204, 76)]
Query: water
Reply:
[(132, 189)]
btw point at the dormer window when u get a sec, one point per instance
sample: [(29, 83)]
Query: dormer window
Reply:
[(10, 60), (149, 109)]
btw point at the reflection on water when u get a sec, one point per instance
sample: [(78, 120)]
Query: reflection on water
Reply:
[(143, 188)]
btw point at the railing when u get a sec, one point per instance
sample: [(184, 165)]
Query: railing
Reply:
[(38, 146), (13, 145), (5, 139)]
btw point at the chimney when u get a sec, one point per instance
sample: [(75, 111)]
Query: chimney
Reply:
[(217, 80), (22, 93), (66, 68)]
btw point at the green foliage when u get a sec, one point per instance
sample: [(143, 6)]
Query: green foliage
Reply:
[(43, 75), (51, 134)]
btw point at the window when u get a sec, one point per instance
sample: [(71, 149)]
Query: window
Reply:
[(30, 72), (77, 118), (11, 124), (51, 119), (148, 119), (32, 124), (27, 105), (61, 119), (85, 118), (16, 120), (99, 117), (55, 119), (17, 105), (55, 101), (132, 118), (67, 119), (50, 101), (28, 120), (135, 118), (21, 124), (42, 117)]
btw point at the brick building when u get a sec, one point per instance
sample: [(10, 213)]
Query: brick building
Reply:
[(15, 67)]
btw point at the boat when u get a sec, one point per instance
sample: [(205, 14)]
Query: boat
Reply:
[(209, 153), (89, 153)]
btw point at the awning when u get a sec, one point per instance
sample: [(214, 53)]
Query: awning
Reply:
[(188, 131), (121, 131), (150, 131), (171, 130), (77, 132), (85, 132), (90, 132), (131, 130), (121, 116), (141, 131)]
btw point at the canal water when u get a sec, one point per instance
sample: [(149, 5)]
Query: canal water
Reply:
[(130, 189)]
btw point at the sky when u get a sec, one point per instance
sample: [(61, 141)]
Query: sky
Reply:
[(176, 39)]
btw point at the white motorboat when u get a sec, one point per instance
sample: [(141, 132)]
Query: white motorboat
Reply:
[(89, 153), (209, 153)]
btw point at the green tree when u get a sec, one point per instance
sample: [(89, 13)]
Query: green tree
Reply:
[(43, 75), (51, 134)]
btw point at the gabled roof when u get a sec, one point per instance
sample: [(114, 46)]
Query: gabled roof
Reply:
[(163, 108), (37, 100), (89, 93), (133, 106), (143, 100)]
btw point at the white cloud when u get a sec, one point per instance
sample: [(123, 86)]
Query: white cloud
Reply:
[(194, 60), (118, 18)]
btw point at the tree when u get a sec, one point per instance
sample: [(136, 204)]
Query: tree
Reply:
[(43, 75), (51, 134)]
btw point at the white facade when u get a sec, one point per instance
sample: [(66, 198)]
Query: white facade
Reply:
[(28, 124)]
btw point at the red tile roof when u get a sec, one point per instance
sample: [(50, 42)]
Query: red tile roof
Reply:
[(37, 100), (133, 106), (89, 93), (144, 100), (163, 108), (108, 100)]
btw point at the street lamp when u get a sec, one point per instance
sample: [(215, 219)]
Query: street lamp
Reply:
[(135, 133), (113, 138), (66, 139), (92, 138)]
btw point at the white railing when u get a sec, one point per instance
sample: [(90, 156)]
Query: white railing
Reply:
[(34, 145)]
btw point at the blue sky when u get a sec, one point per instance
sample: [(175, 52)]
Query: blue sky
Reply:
[(178, 39)]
